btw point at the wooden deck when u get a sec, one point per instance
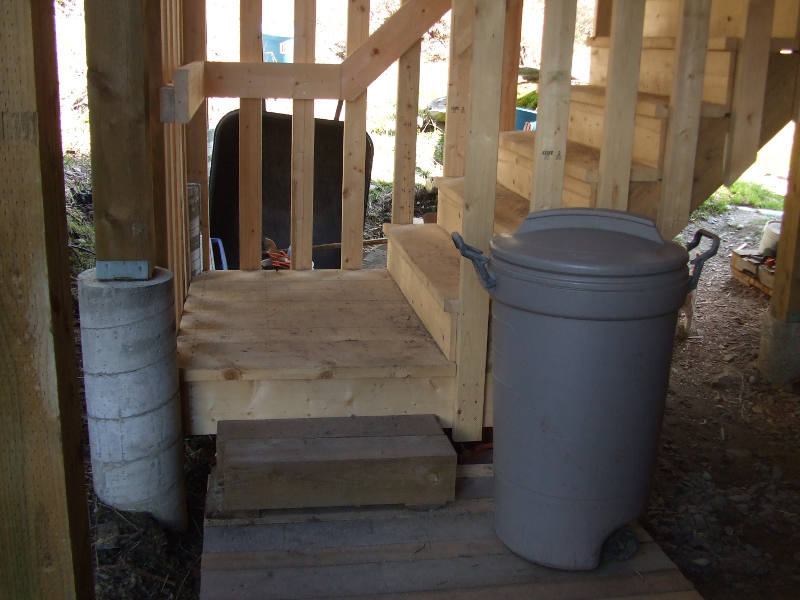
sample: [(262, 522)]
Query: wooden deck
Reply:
[(292, 344), (394, 552)]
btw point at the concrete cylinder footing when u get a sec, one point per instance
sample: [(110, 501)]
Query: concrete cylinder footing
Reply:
[(132, 401), (779, 355)]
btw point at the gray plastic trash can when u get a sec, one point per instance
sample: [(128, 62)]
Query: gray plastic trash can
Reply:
[(584, 313)]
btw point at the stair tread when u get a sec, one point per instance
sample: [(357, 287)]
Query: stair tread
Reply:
[(510, 209), (650, 105), (433, 256), (581, 162)]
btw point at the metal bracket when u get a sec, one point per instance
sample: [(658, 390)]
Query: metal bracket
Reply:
[(138, 270)]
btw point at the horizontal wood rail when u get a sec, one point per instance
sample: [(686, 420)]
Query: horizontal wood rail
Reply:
[(195, 82)]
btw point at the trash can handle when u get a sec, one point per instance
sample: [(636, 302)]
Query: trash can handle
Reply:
[(700, 260), (479, 261)]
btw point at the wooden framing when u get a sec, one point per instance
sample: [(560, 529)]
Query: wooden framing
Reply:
[(458, 87), (511, 49), (45, 532)]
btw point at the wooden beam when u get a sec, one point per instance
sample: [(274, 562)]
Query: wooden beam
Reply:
[(511, 47), (405, 140), (458, 87), (302, 170), (684, 123), (622, 94), (747, 106), (602, 18), (250, 50), (478, 216), (45, 532), (272, 80), (354, 146), (388, 43), (121, 151), (194, 49), (180, 101), (554, 83)]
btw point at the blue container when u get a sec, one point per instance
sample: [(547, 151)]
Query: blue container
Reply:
[(277, 48), (524, 115)]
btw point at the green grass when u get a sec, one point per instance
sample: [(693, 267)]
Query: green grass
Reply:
[(529, 100), (741, 193)]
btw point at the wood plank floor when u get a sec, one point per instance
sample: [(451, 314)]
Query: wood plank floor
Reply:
[(393, 552), (291, 344)]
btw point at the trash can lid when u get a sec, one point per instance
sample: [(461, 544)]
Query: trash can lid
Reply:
[(589, 242)]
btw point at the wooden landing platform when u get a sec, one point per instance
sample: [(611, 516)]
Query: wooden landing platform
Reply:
[(393, 552), (294, 344)]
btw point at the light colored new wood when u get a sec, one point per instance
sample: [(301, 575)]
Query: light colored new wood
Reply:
[(425, 265), (458, 87), (45, 527), (181, 99), (354, 148), (647, 105), (554, 109), (405, 141), (616, 151), (302, 155), (344, 461), (511, 50), (668, 43), (684, 123), (250, 50), (388, 43), (480, 182), (272, 80), (510, 208), (747, 106)]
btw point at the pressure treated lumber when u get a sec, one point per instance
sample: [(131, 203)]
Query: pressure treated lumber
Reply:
[(554, 89), (354, 147), (45, 531), (511, 59), (250, 203), (480, 181), (341, 461), (619, 117), (684, 123), (458, 87), (748, 101), (405, 141), (302, 154)]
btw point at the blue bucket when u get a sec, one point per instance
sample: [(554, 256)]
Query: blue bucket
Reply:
[(524, 115)]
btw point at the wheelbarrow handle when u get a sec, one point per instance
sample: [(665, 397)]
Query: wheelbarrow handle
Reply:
[(479, 261), (699, 260)]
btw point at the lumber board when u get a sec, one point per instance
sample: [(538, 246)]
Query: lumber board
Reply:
[(708, 159), (181, 99), (390, 41), (511, 59), (354, 147), (272, 80), (480, 177), (510, 208), (554, 104), (424, 263), (250, 201), (458, 88), (684, 125), (619, 116), (779, 94), (45, 532), (648, 105), (344, 461), (302, 152), (669, 42), (747, 104)]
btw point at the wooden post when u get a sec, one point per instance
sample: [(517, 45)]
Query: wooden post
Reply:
[(550, 144), (684, 121), (120, 69), (602, 18), (305, 17), (194, 49), (747, 106), (478, 218), (458, 87), (511, 46), (405, 140), (354, 147), (622, 93), (45, 531), (250, 50)]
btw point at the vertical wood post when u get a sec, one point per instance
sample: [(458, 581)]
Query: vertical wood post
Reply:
[(305, 24), (250, 50), (478, 218), (458, 87), (684, 117), (550, 144), (602, 17), (405, 140), (622, 93), (194, 48), (45, 531), (511, 46), (354, 147)]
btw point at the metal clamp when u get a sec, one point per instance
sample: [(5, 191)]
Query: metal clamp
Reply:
[(700, 260), (479, 261)]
